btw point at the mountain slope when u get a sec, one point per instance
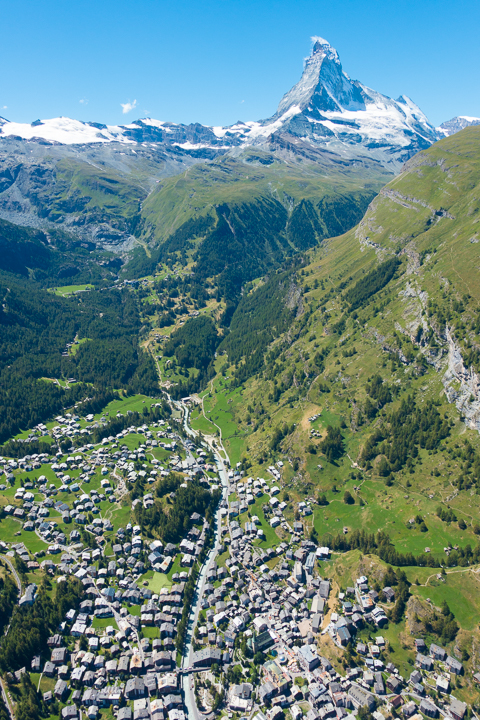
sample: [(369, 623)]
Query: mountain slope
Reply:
[(396, 298), (260, 207)]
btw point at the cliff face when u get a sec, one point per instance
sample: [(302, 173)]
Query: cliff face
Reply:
[(462, 385)]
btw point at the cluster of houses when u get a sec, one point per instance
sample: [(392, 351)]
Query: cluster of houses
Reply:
[(283, 607), (139, 682), (75, 472), (96, 666), (72, 426), (114, 667), (117, 649), (249, 490)]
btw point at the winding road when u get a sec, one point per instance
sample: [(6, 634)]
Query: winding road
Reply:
[(186, 677)]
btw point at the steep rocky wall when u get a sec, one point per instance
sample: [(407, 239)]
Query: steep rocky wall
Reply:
[(462, 385)]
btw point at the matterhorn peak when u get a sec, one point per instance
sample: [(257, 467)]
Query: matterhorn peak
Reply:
[(322, 49), (323, 83), (319, 44)]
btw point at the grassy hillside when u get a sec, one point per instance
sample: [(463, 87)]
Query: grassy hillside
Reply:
[(370, 333), (244, 179), (238, 217)]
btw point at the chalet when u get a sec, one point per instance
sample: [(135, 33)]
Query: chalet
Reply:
[(437, 653), (61, 690), (171, 701), (125, 713), (123, 665), (59, 656), (135, 688), (457, 709), (389, 594), (394, 684), (427, 708), (343, 636), (324, 589), (442, 684), (70, 712), (424, 662), (454, 665), (49, 669)]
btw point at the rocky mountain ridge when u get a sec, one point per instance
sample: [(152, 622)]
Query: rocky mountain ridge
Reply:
[(456, 124), (325, 110), (108, 185)]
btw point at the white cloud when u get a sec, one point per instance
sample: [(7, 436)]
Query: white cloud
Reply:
[(4, 107), (83, 101), (128, 106)]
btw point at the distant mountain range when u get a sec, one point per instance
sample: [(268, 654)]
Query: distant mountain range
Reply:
[(333, 143), (324, 110), (456, 124)]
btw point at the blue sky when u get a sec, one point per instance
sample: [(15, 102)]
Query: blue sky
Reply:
[(218, 61)]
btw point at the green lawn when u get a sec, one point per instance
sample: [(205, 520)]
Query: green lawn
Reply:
[(235, 446), (200, 423), (399, 655), (104, 622), (136, 403), (8, 529), (460, 590), (387, 509), (158, 582), (176, 567), (67, 290), (76, 346), (121, 516), (151, 632), (271, 537)]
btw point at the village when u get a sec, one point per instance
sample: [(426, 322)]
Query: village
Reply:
[(252, 647)]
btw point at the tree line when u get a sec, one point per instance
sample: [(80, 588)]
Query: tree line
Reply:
[(371, 283), (381, 545)]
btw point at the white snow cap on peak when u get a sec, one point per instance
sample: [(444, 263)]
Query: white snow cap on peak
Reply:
[(317, 40), (321, 48)]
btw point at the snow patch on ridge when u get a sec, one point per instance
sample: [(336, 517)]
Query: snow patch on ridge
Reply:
[(65, 131)]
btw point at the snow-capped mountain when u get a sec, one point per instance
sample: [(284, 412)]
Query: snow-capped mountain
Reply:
[(456, 124), (93, 180), (325, 111), (329, 109), (75, 132)]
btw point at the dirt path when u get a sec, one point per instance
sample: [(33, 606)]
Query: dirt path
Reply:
[(219, 440), (475, 571)]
